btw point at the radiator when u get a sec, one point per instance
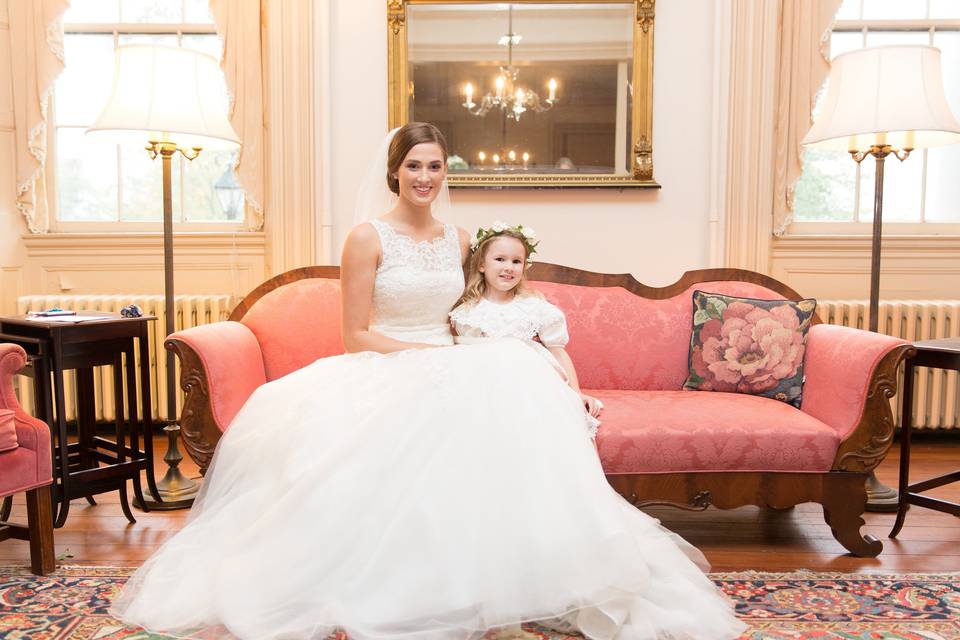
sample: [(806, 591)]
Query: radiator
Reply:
[(936, 392), (190, 311)]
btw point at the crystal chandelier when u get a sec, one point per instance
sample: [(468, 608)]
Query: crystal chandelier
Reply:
[(511, 99)]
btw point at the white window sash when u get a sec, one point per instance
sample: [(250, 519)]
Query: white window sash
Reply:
[(72, 226), (857, 226)]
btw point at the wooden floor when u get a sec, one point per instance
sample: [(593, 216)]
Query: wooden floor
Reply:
[(735, 540)]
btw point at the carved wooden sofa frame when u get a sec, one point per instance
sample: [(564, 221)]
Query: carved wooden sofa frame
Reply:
[(841, 491)]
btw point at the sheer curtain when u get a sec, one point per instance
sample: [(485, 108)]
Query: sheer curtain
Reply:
[(804, 64), (36, 52), (239, 24)]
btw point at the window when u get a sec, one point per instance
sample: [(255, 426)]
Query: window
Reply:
[(100, 181), (925, 187)]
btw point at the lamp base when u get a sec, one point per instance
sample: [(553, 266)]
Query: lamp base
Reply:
[(176, 490), (181, 498), (880, 497), (152, 505)]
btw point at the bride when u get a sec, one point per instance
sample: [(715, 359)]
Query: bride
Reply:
[(412, 489)]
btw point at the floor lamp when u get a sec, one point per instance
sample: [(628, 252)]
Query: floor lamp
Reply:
[(883, 101), (168, 97)]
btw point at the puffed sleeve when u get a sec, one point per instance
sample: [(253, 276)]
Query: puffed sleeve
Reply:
[(553, 326)]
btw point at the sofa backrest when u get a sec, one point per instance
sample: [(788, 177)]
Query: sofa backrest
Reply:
[(620, 340), (296, 323)]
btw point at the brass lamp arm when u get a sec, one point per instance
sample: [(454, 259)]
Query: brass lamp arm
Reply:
[(165, 147), (880, 151)]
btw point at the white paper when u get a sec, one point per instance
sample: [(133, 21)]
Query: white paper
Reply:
[(68, 319)]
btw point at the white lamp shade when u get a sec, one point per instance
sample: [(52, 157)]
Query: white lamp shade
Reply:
[(167, 93), (885, 95)]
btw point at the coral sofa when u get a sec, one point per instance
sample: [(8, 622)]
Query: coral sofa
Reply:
[(658, 444)]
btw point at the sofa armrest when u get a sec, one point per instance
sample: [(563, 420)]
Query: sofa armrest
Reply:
[(850, 376), (32, 434), (220, 366)]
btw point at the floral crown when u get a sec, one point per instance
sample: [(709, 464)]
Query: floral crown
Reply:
[(527, 234)]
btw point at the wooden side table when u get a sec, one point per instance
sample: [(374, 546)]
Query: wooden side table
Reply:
[(942, 354), (93, 464)]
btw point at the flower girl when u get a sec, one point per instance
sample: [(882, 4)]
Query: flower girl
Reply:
[(497, 304)]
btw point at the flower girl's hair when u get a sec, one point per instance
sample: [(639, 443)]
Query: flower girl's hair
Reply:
[(476, 285)]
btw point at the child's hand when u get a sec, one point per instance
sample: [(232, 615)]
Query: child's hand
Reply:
[(591, 404)]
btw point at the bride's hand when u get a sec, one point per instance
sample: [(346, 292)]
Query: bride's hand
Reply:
[(591, 404)]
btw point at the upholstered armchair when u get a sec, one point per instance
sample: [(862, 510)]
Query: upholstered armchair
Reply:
[(25, 465)]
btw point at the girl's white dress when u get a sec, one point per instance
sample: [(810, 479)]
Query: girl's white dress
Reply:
[(529, 317), (429, 494)]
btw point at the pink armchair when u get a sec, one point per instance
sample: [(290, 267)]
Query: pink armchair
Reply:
[(25, 465), (658, 444)]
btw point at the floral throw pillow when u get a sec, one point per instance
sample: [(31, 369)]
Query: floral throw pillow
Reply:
[(745, 345)]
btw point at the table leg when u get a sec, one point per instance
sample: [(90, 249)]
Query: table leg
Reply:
[(119, 422), (43, 405), (61, 471), (143, 341), (42, 408), (86, 420), (906, 422), (136, 453)]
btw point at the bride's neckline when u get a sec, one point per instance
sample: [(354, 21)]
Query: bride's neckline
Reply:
[(393, 230)]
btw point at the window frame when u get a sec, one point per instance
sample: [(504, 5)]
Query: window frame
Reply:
[(116, 30), (856, 226)]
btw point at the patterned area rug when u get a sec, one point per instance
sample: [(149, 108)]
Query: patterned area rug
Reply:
[(778, 606)]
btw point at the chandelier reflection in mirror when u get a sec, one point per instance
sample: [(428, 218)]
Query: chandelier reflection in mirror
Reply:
[(508, 97)]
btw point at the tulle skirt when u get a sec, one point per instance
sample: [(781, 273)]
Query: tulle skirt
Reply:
[(430, 494)]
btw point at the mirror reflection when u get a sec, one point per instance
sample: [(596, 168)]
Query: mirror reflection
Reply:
[(525, 88)]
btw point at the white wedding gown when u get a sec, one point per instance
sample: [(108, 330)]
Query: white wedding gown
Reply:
[(430, 494)]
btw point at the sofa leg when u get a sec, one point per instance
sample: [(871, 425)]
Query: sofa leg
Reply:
[(40, 523), (844, 501)]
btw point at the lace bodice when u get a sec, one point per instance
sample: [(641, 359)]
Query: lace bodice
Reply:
[(416, 284), (525, 317)]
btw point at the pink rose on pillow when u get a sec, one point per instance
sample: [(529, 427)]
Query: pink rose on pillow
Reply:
[(748, 348)]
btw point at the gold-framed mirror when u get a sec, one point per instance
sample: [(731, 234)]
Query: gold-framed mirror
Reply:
[(531, 93)]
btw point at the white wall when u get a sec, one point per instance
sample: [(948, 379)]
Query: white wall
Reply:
[(654, 234)]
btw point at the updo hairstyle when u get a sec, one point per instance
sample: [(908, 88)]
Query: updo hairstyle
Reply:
[(409, 136)]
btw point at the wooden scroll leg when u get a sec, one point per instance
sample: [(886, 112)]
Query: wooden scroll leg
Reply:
[(844, 501)]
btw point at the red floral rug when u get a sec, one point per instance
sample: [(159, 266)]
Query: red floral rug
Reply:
[(73, 604)]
